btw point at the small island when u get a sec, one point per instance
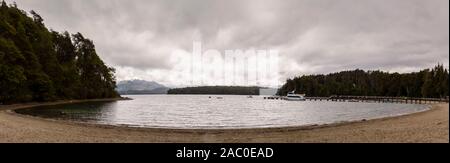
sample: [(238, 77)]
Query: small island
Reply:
[(216, 90)]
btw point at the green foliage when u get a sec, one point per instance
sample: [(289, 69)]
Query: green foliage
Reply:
[(41, 65), (426, 83), (218, 90), (11, 73)]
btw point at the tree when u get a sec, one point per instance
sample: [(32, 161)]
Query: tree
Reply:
[(12, 75), (37, 18), (41, 65), (426, 83)]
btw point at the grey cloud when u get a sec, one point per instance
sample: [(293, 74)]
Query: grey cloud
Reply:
[(320, 36)]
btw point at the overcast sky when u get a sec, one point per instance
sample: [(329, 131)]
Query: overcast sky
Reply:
[(313, 36)]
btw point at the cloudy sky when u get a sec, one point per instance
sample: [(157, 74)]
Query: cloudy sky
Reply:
[(137, 37)]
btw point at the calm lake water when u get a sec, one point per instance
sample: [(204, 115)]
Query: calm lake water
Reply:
[(200, 111)]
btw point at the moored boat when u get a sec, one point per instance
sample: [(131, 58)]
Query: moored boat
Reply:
[(291, 96)]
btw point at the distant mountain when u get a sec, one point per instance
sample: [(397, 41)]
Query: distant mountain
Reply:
[(141, 87)]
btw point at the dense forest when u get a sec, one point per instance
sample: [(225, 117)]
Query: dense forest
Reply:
[(38, 64), (216, 90), (426, 83)]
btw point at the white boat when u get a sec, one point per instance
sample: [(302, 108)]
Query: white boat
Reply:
[(353, 100), (291, 96)]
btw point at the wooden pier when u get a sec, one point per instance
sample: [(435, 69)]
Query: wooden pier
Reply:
[(376, 99), (274, 98)]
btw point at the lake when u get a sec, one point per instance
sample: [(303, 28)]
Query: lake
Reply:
[(210, 112)]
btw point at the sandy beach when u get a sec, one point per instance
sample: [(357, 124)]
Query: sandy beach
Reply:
[(428, 126)]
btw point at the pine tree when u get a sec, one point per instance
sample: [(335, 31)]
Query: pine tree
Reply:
[(426, 83), (41, 65)]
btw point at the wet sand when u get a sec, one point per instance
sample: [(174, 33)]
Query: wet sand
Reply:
[(428, 126)]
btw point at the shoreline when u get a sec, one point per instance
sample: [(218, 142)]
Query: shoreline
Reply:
[(196, 130), (36, 104), (116, 133), (12, 109)]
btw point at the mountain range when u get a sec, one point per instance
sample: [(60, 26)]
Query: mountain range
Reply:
[(141, 87)]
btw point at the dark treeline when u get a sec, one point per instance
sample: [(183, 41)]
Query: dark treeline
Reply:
[(426, 83), (216, 90), (37, 64)]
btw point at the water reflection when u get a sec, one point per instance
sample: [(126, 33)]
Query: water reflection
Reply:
[(187, 111)]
